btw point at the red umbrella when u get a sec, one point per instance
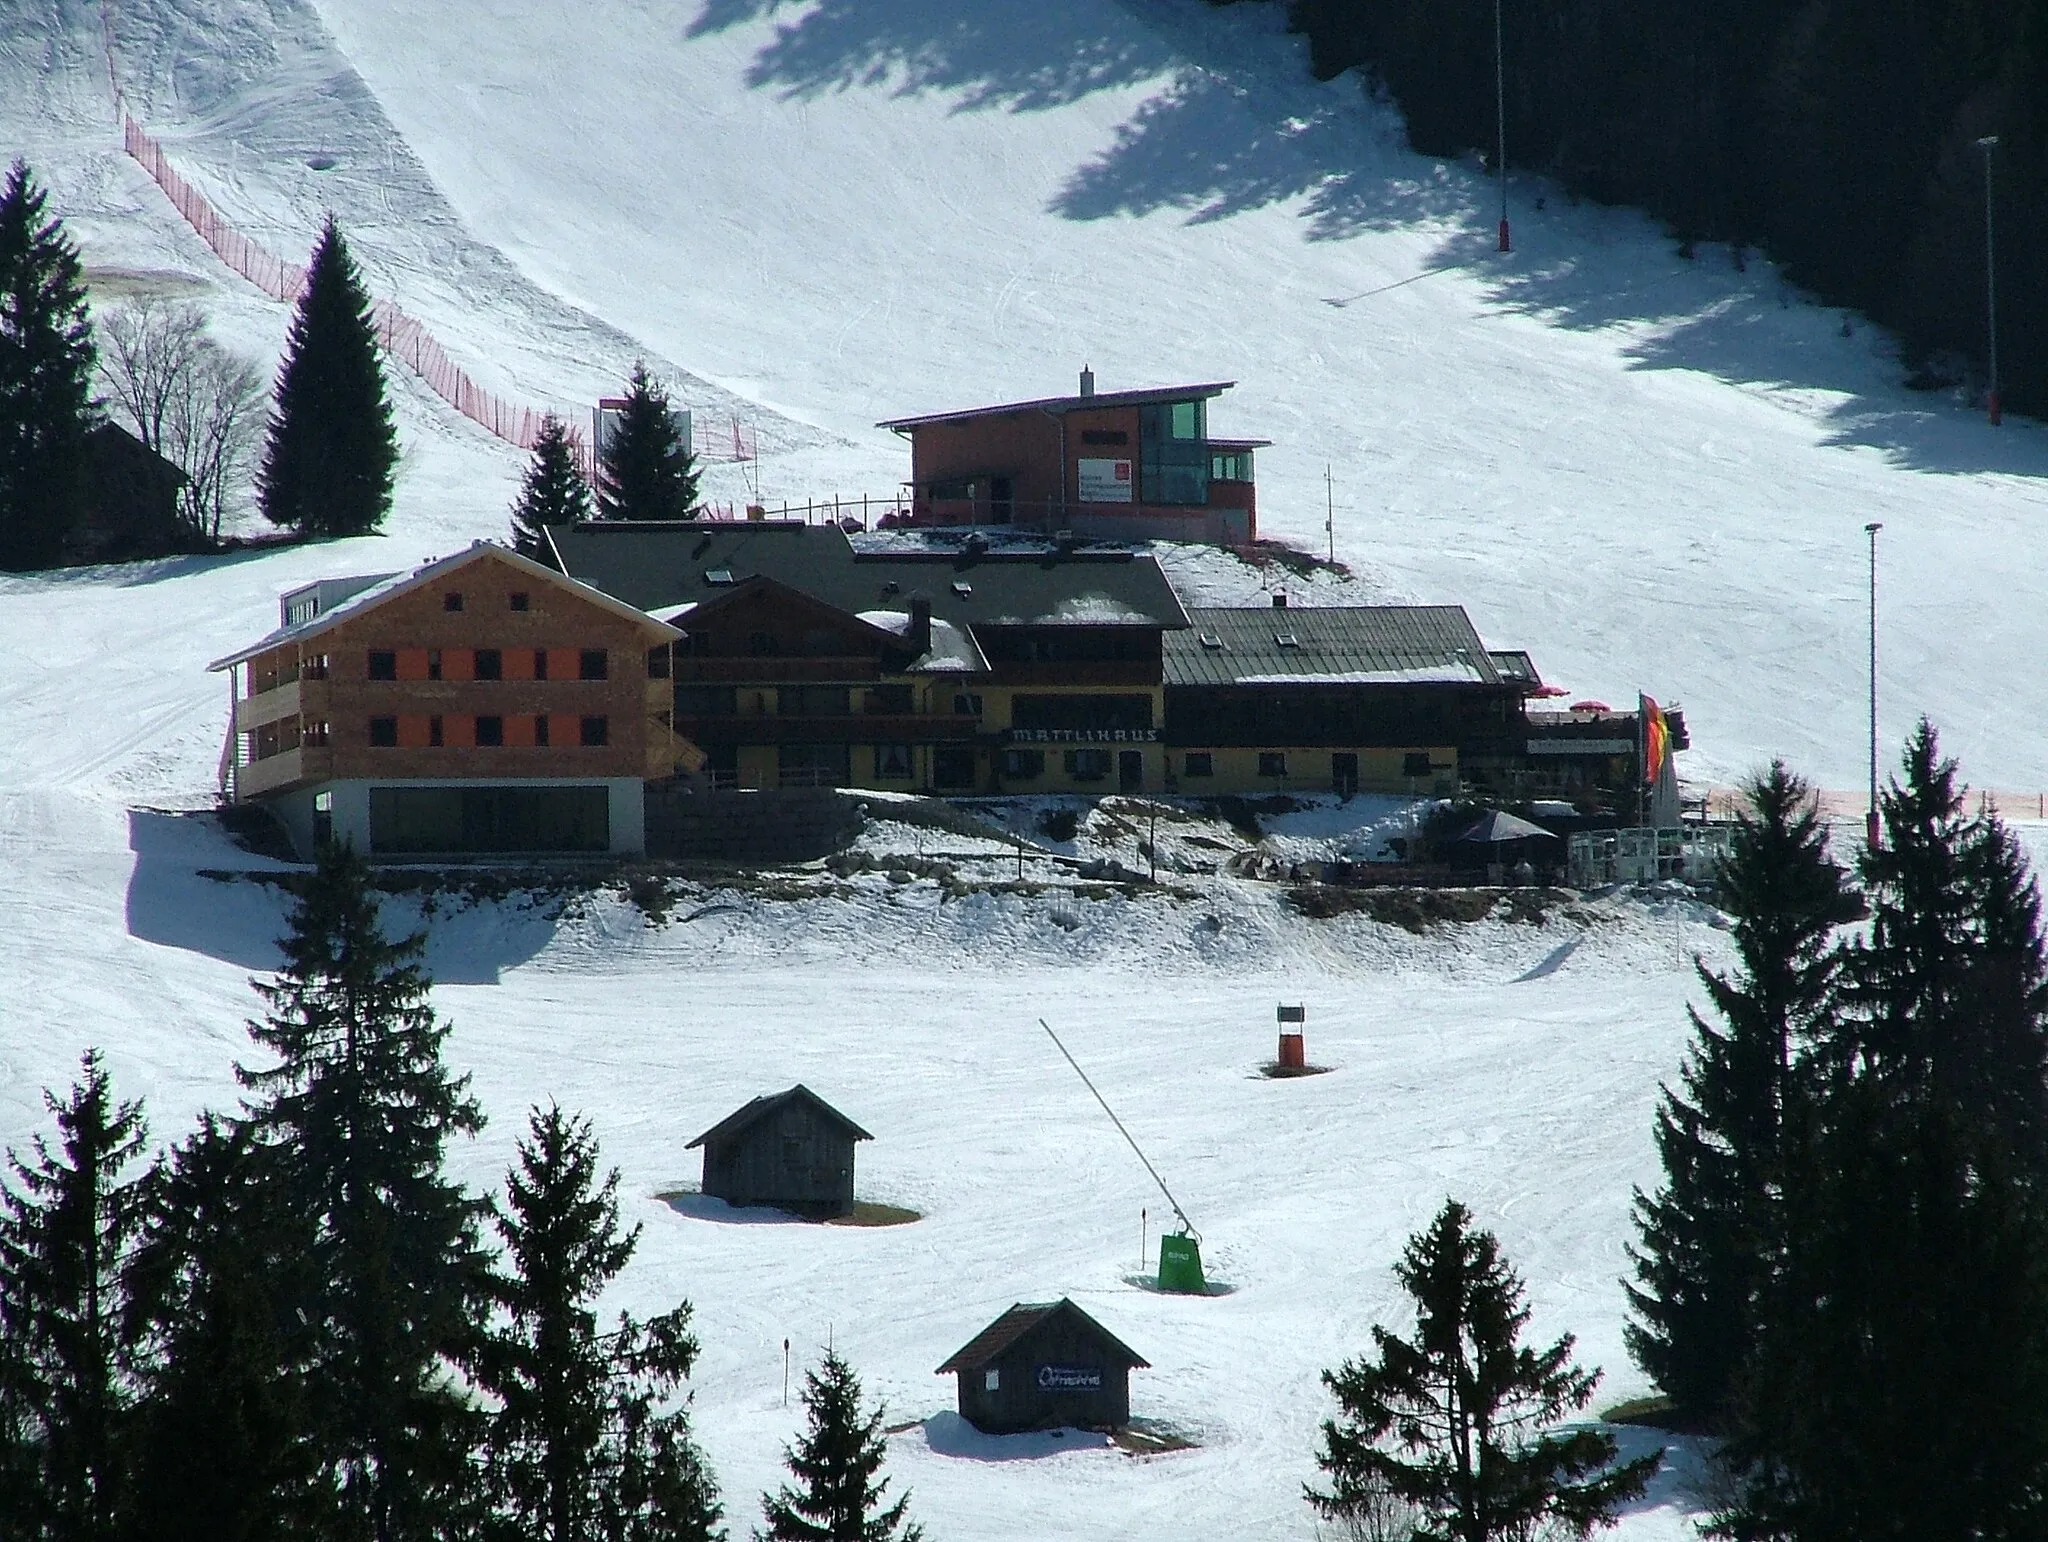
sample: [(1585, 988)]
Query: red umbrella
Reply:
[(1591, 706), (1550, 690)]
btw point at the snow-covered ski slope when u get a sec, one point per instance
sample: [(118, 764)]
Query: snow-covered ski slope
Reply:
[(810, 215)]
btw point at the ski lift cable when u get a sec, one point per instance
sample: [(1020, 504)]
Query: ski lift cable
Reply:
[(1180, 1214)]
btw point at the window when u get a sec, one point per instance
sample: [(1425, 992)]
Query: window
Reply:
[(706, 701), (1087, 765), (383, 664), (887, 700), (384, 732), (1212, 640), (1286, 640), (719, 577), (991, 1379), (1200, 763), (452, 600), (1415, 763), (424, 819), (763, 645), (519, 600), (812, 701), (490, 665), (540, 730), (1173, 465), (490, 732), (963, 590), (966, 704), (540, 663), (315, 667), (1231, 466), (657, 663), (433, 663), (893, 763), (597, 732), (1023, 765), (1272, 762), (593, 665), (434, 731), (1105, 436), (313, 731)]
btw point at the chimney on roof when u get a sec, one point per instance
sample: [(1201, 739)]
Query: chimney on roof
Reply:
[(919, 637), (1280, 599), (1087, 381)]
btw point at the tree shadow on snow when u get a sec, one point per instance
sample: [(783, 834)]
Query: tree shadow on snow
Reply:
[(239, 917), (1232, 123)]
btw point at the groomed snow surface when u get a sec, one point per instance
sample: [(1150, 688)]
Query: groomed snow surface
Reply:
[(1653, 474)]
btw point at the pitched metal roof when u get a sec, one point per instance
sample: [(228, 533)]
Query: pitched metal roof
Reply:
[(376, 592), (1329, 645), (1019, 1321), (749, 1114), (1063, 404), (657, 566)]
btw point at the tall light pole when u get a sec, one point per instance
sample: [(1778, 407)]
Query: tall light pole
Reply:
[(1500, 118), (1987, 144), (1873, 827)]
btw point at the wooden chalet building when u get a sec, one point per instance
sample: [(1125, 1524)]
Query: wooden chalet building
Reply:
[(1045, 1365), (973, 668), (1382, 698), (1112, 465), (481, 705), (791, 1150)]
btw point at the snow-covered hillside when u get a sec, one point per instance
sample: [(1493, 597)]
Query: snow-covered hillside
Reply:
[(813, 214)]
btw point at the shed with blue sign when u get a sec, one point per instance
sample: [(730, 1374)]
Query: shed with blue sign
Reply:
[(1045, 1365)]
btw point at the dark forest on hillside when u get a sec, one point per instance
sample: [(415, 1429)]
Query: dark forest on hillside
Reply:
[(1838, 136)]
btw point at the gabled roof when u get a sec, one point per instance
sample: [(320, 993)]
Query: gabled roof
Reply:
[(1065, 404), (1329, 645), (404, 583), (745, 1117), (659, 566), (1019, 1322)]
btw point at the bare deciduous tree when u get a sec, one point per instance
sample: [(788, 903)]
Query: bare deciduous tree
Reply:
[(186, 397)]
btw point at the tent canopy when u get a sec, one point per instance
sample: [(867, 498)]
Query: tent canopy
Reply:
[(1496, 827)]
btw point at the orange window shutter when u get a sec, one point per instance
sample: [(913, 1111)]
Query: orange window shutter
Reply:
[(412, 664), (412, 728)]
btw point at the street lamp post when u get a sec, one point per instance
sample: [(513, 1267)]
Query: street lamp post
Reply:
[(1987, 144), (1873, 828), (1500, 117)]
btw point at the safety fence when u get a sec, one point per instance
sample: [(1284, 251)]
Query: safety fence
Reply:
[(1837, 803), (404, 336)]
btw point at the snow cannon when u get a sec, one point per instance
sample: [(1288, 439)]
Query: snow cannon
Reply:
[(1180, 1264), (1293, 1038)]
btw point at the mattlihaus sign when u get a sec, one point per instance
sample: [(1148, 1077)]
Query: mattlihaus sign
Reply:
[(1084, 736)]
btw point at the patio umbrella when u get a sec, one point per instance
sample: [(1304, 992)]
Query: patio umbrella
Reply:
[(1496, 828)]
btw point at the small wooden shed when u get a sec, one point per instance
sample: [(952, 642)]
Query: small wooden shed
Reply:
[(792, 1150), (1045, 1365)]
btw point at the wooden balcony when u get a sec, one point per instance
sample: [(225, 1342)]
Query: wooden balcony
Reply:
[(306, 762), (293, 698)]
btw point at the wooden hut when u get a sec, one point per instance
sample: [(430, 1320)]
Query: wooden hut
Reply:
[(792, 1150), (1044, 1365)]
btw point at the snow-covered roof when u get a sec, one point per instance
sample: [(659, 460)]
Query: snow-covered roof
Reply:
[(402, 583), (1328, 645)]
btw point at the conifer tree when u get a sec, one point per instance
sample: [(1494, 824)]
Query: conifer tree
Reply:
[(356, 1114), (1453, 1428), (224, 1435), (332, 450), (554, 492), (582, 1447), (837, 1464), (68, 1226), (644, 472), (46, 367), (1706, 1235), (1950, 990)]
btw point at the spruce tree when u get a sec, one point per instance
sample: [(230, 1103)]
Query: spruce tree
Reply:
[(837, 1464), (643, 471), (68, 1227), (581, 1447), (1451, 1431), (332, 450), (224, 1441), (1705, 1236), (46, 367), (357, 1113), (1950, 990), (554, 492)]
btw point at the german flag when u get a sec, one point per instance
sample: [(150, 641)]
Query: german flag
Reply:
[(1656, 739)]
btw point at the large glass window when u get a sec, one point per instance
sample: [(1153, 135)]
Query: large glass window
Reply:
[(420, 819), (1174, 463), (812, 701)]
